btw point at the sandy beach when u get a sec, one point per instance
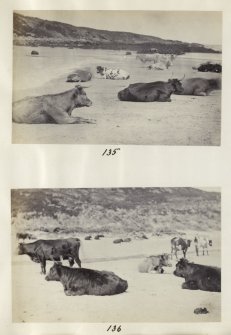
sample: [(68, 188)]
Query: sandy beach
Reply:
[(186, 120), (150, 297)]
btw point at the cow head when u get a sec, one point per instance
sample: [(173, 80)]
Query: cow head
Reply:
[(55, 272), (80, 98), (100, 69), (164, 260), (210, 243), (181, 268), (176, 85), (21, 250)]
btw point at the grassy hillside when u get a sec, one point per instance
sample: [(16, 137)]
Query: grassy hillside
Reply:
[(31, 31), (115, 210)]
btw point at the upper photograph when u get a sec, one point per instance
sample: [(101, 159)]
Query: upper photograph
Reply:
[(117, 77)]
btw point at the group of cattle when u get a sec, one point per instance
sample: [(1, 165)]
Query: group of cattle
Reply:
[(80, 281), (57, 108)]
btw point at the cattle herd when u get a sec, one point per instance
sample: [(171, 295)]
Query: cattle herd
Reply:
[(83, 281), (57, 108)]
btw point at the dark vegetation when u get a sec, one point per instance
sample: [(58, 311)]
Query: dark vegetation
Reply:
[(34, 32), (115, 210)]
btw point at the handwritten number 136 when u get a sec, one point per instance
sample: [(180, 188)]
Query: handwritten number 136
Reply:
[(114, 328)]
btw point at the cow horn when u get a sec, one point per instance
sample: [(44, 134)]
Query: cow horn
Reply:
[(182, 78)]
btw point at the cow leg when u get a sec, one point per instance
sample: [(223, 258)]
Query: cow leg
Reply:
[(164, 98), (71, 261), (190, 285), (184, 253), (78, 261), (199, 92), (197, 250), (62, 117), (43, 266)]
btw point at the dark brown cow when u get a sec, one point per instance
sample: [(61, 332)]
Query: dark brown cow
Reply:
[(147, 92), (41, 251), (154, 263), (177, 244), (87, 281), (199, 86), (199, 277), (51, 108)]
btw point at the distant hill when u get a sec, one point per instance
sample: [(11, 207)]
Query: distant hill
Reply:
[(31, 31), (116, 209)]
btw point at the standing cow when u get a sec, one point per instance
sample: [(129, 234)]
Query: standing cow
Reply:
[(87, 281), (177, 244), (41, 251), (202, 242)]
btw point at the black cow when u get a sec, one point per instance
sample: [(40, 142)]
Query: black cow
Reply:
[(148, 92), (118, 240), (34, 53), (88, 238), (178, 243), (199, 277), (87, 281), (41, 251)]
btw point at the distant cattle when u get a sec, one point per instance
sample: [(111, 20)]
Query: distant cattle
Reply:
[(202, 243), (154, 263), (154, 58), (88, 238), (128, 53), (209, 67), (114, 74), (199, 277), (41, 251), (177, 244), (148, 92), (34, 53), (51, 108), (118, 240), (127, 239), (86, 281), (97, 237), (24, 236), (199, 86), (79, 76)]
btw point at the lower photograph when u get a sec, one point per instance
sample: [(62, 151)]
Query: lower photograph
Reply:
[(135, 254)]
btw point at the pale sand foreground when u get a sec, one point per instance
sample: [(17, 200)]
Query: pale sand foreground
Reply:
[(149, 298), (187, 120)]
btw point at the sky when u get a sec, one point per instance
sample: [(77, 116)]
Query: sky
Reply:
[(191, 26)]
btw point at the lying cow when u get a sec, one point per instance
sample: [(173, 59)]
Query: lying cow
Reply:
[(88, 238), (86, 281), (118, 240), (202, 242), (115, 74), (199, 277), (51, 108), (179, 243), (199, 86), (148, 92), (23, 236), (154, 263), (41, 251), (79, 76)]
